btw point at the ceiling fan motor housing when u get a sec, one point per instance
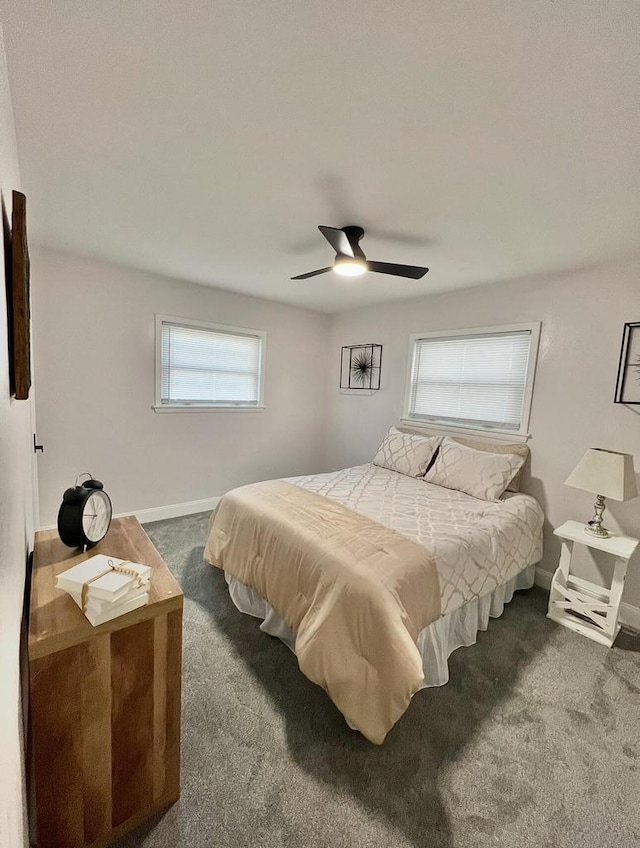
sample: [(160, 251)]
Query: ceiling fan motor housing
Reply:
[(354, 234)]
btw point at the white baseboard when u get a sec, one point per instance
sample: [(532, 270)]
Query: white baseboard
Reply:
[(159, 513), (629, 615), (543, 579)]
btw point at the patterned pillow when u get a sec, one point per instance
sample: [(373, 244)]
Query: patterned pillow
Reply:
[(498, 447), (406, 453), (478, 473)]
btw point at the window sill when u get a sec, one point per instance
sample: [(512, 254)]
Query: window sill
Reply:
[(490, 433), (194, 408)]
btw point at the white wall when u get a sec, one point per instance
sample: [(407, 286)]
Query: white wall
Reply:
[(16, 522), (94, 357), (582, 314)]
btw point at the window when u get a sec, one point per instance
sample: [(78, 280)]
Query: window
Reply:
[(207, 366), (475, 379)]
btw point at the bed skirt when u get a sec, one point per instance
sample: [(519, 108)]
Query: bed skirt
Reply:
[(436, 642)]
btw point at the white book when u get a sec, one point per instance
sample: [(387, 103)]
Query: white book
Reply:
[(111, 586), (115, 610), (96, 607)]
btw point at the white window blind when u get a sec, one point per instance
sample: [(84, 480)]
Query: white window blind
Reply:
[(471, 380), (205, 366)]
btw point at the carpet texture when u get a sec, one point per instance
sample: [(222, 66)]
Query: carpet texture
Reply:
[(533, 742)]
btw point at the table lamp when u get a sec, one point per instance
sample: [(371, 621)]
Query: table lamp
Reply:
[(608, 474)]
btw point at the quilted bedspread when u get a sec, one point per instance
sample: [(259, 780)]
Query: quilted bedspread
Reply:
[(478, 545)]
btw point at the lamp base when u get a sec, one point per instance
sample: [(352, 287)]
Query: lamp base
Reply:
[(597, 530), (594, 527)]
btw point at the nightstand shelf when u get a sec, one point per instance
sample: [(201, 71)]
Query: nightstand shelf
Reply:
[(579, 604)]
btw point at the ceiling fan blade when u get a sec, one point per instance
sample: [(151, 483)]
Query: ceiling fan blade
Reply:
[(415, 272), (313, 273), (338, 240)]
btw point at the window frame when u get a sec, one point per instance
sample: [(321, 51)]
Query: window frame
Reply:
[(203, 406), (522, 434)]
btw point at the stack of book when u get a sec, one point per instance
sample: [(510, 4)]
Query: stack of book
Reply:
[(105, 587)]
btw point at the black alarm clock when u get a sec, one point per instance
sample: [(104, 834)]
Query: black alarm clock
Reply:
[(85, 514)]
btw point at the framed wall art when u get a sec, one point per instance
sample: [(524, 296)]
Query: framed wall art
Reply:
[(628, 382), (18, 299), (360, 367)]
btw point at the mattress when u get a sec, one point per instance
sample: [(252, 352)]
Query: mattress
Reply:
[(478, 545)]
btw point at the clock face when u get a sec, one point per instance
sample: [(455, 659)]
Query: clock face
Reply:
[(96, 516)]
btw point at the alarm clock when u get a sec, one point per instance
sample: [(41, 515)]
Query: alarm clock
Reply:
[(85, 514)]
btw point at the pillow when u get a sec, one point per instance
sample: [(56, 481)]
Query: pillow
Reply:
[(519, 449), (478, 473), (406, 453)]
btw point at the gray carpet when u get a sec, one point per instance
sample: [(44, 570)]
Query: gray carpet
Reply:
[(533, 742)]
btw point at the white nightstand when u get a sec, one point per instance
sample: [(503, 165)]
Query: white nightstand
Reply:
[(597, 607)]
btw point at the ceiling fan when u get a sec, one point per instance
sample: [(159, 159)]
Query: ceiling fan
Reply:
[(350, 260)]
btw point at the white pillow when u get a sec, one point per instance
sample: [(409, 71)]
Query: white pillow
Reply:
[(478, 473), (406, 453)]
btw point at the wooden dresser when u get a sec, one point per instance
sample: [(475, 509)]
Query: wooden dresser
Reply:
[(104, 704)]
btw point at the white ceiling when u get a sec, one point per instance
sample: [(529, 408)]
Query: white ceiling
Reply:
[(207, 140)]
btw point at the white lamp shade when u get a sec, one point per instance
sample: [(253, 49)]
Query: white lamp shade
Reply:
[(605, 472)]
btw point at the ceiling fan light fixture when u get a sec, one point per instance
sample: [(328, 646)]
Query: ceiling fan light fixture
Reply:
[(350, 261), (347, 267)]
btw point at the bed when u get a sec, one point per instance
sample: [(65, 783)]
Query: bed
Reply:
[(471, 553)]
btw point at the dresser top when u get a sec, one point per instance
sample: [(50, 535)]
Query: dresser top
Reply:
[(55, 620)]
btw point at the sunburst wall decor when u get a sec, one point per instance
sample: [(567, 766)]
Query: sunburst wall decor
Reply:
[(628, 383), (360, 367)]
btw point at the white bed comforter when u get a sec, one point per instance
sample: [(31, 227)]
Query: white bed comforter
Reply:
[(478, 545)]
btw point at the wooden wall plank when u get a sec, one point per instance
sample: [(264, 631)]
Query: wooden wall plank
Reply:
[(159, 705), (54, 706), (174, 704), (132, 720), (95, 706)]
